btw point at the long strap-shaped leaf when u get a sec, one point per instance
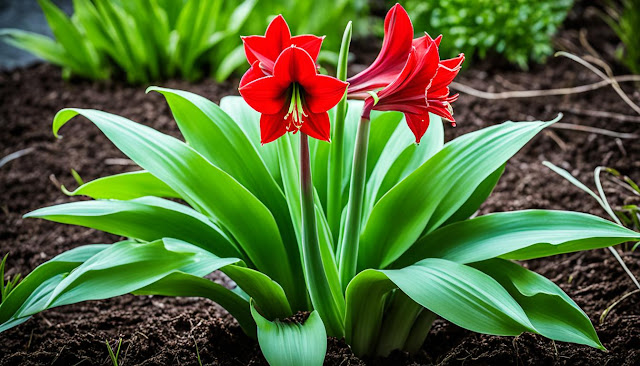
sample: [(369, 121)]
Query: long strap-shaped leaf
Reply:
[(461, 294), (249, 121), (147, 218), (517, 235), (400, 157), (436, 190), (125, 186), (269, 296), (550, 310), (206, 188), (211, 132), (188, 285), (60, 264), (292, 344), (482, 192), (112, 271)]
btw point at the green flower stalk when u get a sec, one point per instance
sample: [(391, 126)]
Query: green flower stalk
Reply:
[(350, 240)]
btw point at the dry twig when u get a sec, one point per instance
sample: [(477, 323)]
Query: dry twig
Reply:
[(541, 93)]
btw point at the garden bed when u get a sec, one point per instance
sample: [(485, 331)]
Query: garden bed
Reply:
[(162, 331)]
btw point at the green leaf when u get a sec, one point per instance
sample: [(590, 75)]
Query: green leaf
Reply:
[(187, 285), (452, 175), (147, 218), (206, 188), (79, 51), (400, 157), (127, 266), (60, 264), (550, 310), (477, 198), (211, 132), (517, 235), (383, 126), (125, 186), (268, 295), (239, 16), (292, 344), (112, 271), (231, 62), (366, 297), (41, 46), (249, 121), (463, 295)]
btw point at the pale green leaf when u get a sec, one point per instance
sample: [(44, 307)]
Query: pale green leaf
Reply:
[(517, 235), (147, 218), (436, 190), (125, 186), (550, 310), (292, 344)]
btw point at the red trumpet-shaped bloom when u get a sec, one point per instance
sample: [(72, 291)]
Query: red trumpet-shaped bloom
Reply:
[(398, 36), (421, 87), (263, 51), (294, 98)]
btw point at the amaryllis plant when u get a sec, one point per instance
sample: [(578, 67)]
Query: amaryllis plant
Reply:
[(369, 231)]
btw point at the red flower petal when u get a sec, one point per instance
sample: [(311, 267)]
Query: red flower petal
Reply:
[(322, 92), (418, 124), (309, 43), (267, 48), (294, 64), (266, 95), (440, 109), (254, 73), (317, 125), (272, 126), (398, 36)]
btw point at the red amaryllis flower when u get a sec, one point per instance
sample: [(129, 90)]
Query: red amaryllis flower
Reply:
[(421, 87), (398, 36), (295, 98), (262, 51)]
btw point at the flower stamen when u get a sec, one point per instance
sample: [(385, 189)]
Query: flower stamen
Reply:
[(296, 109)]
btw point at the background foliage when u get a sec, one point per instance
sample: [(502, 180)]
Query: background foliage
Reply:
[(157, 39), (519, 30), (625, 21)]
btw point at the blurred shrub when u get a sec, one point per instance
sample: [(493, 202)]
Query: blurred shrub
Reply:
[(625, 22), (157, 39), (519, 30)]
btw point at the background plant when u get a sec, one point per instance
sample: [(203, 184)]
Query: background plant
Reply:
[(157, 39), (518, 30), (625, 21)]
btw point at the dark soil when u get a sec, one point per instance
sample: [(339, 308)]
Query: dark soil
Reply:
[(163, 331)]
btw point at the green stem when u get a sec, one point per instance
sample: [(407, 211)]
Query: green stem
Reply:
[(350, 241), (319, 289), (336, 155)]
